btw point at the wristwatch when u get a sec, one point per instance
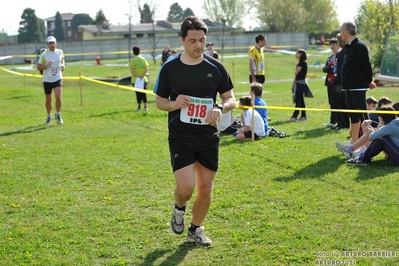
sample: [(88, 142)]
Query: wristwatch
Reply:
[(220, 106)]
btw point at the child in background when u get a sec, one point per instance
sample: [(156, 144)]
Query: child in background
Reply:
[(257, 91), (371, 103), (245, 133)]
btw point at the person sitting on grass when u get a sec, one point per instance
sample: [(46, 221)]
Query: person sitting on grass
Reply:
[(257, 91), (245, 133), (385, 138), (373, 116)]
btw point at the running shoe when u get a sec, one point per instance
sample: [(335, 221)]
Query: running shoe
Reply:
[(48, 120), (199, 237), (177, 223), (59, 119), (344, 148)]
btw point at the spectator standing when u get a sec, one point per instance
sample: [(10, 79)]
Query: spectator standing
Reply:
[(257, 60), (192, 119), (37, 53), (165, 54), (312, 41), (329, 70), (173, 55), (139, 69), (356, 76), (337, 95), (300, 87), (210, 51), (322, 40), (52, 63)]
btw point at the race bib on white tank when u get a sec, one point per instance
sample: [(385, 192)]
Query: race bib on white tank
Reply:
[(197, 111)]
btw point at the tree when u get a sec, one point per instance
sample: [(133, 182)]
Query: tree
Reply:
[(274, 17), (373, 22), (81, 19), (175, 13), (321, 16), (230, 10), (316, 16), (187, 12), (100, 18), (59, 30), (29, 28), (42, 28), (146, 14)]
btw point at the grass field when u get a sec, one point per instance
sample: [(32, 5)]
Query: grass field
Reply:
[(98, 190)]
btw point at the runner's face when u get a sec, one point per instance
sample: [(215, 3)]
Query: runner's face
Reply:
[(51, 46), (194, 43)]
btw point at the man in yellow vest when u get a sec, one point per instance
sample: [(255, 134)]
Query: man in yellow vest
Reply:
[(139, 69)]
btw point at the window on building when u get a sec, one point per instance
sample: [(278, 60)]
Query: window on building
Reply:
[(139, 35), (68, 23), (69, 33), (151, 34)]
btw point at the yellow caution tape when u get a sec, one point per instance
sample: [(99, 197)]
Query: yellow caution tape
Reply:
[(238, 106)]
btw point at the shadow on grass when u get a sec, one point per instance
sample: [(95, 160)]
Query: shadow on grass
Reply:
[(316, 170), (173, 259), (112, 114), (20, 97), (24, 131), (314, 133), (377, 168), (228, 139)]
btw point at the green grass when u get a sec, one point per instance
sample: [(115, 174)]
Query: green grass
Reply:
[(98, 189)]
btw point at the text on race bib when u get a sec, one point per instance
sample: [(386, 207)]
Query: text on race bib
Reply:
[(54, 71), (261, 66), (196, 111)]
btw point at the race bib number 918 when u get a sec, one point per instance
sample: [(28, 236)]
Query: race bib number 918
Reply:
[(196, 111)]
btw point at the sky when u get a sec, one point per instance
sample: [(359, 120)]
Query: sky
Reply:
[(117, 11)]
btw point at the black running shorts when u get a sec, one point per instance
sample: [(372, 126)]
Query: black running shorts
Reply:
[(184, 153), (49, 86)]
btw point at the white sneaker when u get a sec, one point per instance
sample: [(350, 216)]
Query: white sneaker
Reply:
[(59, 119), (344, 148), (329, 124), (177, 222), (199, 237), (48, 120)]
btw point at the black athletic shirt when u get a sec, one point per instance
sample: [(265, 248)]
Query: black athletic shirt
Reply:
[(356, 71), (204, 80), (302, 74)]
